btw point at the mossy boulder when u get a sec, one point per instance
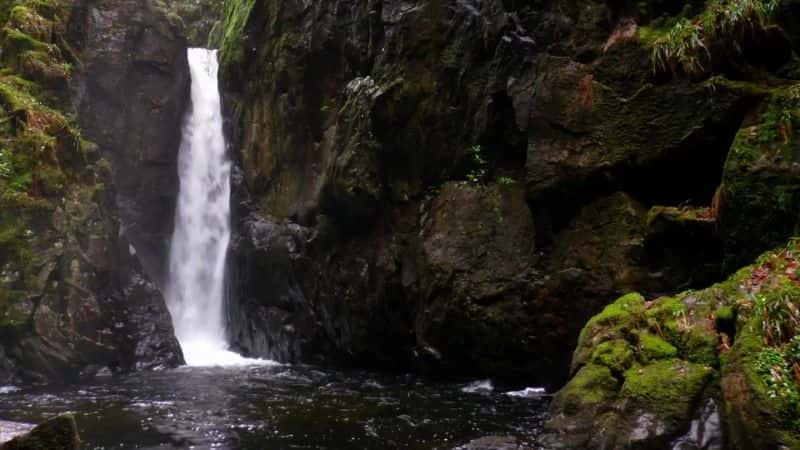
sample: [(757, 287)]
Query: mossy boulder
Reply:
[(654, 348), (593, 386), (669, 388), (734, 344), (606, 122)]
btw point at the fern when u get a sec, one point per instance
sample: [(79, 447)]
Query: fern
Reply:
[(687, 43)]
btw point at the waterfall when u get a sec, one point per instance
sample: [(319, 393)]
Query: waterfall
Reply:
[(195, 291)]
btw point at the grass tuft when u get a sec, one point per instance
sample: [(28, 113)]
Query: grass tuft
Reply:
[(685, 45)]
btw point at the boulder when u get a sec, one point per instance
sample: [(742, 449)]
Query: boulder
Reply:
[(674, 372), (60, 433)]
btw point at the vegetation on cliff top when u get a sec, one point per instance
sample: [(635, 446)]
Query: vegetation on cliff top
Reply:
[(685, 42), (234, 18)]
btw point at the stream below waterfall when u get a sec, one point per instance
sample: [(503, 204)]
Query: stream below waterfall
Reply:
[(277, 407)]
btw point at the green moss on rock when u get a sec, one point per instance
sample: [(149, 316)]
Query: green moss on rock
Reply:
[(592, 386), (235, 14), (625, 308), (760, 189), (652, 348), (617, 355), (685, 41), (669, 388), (736, 341), (725, 317)]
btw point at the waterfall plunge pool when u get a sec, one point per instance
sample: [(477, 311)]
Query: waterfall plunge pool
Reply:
[(222, 400), (278, 407)]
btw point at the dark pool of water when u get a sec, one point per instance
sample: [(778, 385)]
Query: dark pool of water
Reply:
[(278, 407)]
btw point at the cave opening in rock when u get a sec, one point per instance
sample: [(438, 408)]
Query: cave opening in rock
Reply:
[(690, 174)]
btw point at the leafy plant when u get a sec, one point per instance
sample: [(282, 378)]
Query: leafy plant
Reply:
[(778, 316), (793, 350), (687, 42), (479, 163), (6, 164), (505, 181), (681, 46), (774, 371)]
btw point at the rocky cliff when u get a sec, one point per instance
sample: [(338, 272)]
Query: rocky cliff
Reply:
[(85, 90), (458, 186)]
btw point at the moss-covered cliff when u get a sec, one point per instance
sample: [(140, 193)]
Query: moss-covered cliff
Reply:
[(72, 298)]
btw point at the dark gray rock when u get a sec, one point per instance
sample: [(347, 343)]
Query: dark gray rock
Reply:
[(705, 431), (76, 300), (142, 316), (131, 92), (465, 173), (269, 315)]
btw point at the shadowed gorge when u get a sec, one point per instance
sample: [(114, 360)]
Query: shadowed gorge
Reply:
[(434, 224)]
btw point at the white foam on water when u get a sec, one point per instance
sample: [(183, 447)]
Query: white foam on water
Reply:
[(530, 392), (478, 387), (10, 430)]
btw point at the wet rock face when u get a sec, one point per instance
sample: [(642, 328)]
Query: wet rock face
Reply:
[(130, 95), (467, 176), (705, 431), (761, 194), (131, 92), (280, 325), (474, 280), (73, 294)]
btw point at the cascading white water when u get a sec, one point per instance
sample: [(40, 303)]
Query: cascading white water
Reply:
[(195, 290)]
